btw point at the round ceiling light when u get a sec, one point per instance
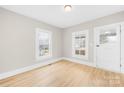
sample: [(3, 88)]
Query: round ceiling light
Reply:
[(67, 8)]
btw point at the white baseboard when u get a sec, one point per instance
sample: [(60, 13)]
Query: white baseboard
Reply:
[(89, 64), (28, 68), (80, 61)]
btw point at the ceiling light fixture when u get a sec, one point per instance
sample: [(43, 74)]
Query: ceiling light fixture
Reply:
[(67, 8)]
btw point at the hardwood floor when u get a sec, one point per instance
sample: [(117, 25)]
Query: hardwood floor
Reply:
[(65, 74)]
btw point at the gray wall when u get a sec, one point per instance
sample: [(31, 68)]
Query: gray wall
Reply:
[(17, 40), (67, 42)]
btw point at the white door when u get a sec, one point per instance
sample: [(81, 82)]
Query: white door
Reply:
[(107, 47)]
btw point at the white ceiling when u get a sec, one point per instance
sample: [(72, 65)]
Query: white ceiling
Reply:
[(56, 16)]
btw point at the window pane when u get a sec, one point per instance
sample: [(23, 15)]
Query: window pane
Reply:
[(82, 52), (43, 50), (108, 36), (77, 52), (43, 43)]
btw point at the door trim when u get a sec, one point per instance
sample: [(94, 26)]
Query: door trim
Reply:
[(122, 63)]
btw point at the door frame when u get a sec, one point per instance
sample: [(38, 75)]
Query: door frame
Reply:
[(94, 44), (122, 63)]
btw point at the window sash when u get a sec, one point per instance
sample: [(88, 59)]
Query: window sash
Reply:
[(80, 44), (43, 44)]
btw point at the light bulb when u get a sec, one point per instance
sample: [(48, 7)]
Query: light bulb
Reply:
[(67, 8)]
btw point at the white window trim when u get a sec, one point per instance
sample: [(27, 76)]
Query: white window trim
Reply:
[(37, 44), (86, 32)]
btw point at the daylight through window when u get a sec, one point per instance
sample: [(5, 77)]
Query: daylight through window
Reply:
[(80, 44), (43, 44)]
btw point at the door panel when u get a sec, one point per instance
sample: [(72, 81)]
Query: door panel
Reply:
[(108, 47)]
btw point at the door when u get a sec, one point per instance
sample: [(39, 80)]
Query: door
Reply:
[(107, 47)]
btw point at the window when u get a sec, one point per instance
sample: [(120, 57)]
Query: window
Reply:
[(80, 44), (109, 36), (43, 44)]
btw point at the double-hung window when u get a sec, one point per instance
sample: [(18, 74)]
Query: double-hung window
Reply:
[(43, 44), (80, 44)]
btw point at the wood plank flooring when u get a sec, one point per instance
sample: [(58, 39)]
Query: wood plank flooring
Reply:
[(65, 74)]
